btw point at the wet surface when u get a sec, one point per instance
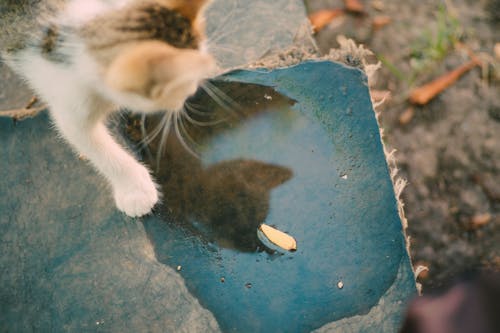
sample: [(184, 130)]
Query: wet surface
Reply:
[(223, 200), (302, 154), (308, 162)]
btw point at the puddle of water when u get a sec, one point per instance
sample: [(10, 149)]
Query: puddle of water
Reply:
[(221, 199), (265, 158)]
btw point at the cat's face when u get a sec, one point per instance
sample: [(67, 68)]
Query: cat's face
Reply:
[(153, 53)]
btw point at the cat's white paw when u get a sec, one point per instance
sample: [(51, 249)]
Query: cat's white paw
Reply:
[(138, 197)]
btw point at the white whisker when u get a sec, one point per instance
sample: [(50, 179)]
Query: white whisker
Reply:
[(181, 139), (227, 32), (222, 102), (183, 130), (196, 122), (227, 49), (223, 95), (143, 125), (144, 134), (192, 108), (222, 25), (163, 140), (217, 38), (148, 138)]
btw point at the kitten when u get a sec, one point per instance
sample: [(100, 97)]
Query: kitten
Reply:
[(87, 58)]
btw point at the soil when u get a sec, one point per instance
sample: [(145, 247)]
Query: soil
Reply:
[(448, 149)]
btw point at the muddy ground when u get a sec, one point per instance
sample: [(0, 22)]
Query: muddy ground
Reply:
[(448, 149)]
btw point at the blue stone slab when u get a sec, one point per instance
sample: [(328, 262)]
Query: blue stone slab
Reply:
[(69, 261), (297, 148), (337, 201)]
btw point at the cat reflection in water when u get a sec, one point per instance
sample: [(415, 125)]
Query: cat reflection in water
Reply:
[(223, 202), (87, 58)]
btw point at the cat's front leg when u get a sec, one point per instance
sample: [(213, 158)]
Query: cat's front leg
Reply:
[(134, 191), (135, 197)]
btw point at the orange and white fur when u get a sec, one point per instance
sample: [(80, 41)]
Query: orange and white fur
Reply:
[(87, 58)]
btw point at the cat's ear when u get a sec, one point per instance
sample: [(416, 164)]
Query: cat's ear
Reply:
[(265, 174), (257, 173), (189, 8), (160, 73)]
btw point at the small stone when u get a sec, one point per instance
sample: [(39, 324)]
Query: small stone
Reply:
[(406, 116), (278, 237), (422, 270), (379, 95), (497, 51), (480, 220), (378, 5)]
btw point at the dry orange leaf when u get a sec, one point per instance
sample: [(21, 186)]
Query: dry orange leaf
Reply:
[(323, 17), (380, 21), (422, 95), (354, 6), (278, 237)]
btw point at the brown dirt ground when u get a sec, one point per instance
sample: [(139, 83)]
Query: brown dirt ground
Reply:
[(449, 149)]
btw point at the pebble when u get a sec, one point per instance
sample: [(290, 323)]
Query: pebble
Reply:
[(406, 116), (497, 51), (480, 220), (378, 5)]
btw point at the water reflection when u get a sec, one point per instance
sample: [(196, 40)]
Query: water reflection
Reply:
[(224, 202)]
